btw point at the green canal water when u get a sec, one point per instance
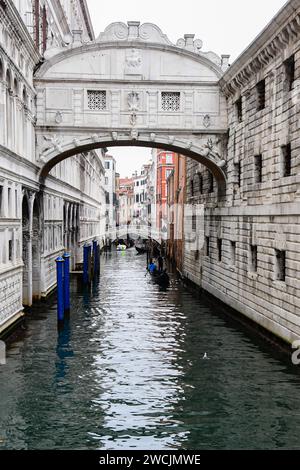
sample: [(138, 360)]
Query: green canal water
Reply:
[(127, 372)]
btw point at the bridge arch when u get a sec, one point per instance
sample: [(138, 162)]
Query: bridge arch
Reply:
[(132, 87)]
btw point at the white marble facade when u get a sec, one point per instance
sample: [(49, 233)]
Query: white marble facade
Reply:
[(37, 224)]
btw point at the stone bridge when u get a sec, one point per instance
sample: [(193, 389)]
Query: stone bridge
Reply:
[(132, 87)]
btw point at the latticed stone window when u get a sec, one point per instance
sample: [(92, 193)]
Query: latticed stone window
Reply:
[(96, 100), (280, 265), (170, 100)]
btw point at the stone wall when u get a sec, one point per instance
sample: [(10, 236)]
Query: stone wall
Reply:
[(253, 261)]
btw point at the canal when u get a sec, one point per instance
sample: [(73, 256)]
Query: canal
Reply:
[(127, 372)]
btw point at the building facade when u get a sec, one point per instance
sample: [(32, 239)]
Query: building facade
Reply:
[(36, 226), (248, 241), (110, 191), (125, 198), (240, 125), (176, 182)]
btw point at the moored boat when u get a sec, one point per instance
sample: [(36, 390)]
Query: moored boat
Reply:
[(161, 278), (140, 249)]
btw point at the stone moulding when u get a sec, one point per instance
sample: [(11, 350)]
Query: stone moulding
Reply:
[(53, 147), (242, 70)]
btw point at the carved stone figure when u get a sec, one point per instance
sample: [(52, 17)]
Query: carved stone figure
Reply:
[(133, 59), (133, 101)]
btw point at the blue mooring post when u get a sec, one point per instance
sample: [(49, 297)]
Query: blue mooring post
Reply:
[(85, 264), (95, 257), (90, 270), (98, 259), (60, 289), (67, 282)]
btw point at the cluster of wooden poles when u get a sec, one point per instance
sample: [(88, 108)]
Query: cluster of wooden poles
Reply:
[(91, 269)]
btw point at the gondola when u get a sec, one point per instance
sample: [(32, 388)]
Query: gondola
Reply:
[(161, 278), (140, 249)]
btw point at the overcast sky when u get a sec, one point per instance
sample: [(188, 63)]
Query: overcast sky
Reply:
[(225, 27)]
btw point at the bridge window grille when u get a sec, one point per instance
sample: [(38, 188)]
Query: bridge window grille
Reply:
[(10, 250), (238, 173), (170, 101), (207, 246), (253, 258), (280, 265), (192, 188), (210, 182), (261, 95), (286, 151), (239, 109), (289, 67), (96, 100), (194, 223), (258, 168), (219, 246), (233, 252), (200, 183)]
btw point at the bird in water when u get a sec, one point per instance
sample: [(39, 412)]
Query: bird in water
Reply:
[(205, 356), (130, 315)]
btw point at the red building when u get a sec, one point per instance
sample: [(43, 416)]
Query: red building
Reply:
[(164, 167)]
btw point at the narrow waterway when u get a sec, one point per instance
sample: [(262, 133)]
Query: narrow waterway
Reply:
[(127, 372)]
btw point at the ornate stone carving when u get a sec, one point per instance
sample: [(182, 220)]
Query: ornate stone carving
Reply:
[(152, 33), (171, 139), (261, 57), (133, 118), (189, 43), (133, 59), (134, 134), (58, 117), (152, 137), (50, 143), (94, 138), (206, 121), (114, 135), (147, 32), (133, 101)]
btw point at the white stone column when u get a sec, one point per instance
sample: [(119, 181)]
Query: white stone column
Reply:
[(13, 201), (5, 199), (2, 113)]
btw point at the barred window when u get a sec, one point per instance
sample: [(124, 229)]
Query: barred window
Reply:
[(96, 100), (170, 101)]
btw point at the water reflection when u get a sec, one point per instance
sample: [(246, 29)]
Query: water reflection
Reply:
[(127, 371)]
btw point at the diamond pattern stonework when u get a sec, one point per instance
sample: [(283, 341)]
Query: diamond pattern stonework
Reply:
[(170, 101), (97, 100)]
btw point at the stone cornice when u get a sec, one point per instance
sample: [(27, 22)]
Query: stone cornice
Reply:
[(94, 46), (6, 152), (284, 27), (87, 19), (120, 81), (8, 9), (17, 72)]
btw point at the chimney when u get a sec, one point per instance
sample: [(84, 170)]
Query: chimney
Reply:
[(77, 37), (225, 61)]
